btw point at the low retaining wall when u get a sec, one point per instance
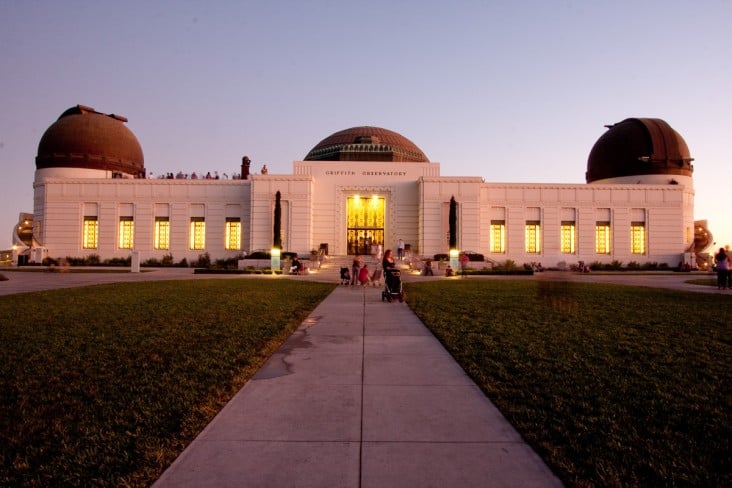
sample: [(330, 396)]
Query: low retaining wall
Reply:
[(266, 264)]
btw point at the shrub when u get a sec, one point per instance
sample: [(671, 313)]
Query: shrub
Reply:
[(118, 262), (633, 266), (474, 256), (166, 260), (152, 262), (90, 260), (259, 255), (497, 271), (203, 261), (228, 263)]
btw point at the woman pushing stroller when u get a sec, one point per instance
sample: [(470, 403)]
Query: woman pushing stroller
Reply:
[(392, 278), (388, 261)]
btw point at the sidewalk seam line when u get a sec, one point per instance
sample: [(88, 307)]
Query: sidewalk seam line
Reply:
[(363, 374)]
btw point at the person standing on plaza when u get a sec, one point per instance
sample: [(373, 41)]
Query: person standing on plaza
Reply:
[(427, 270), (400, 249), (355, 268), (379, 253), (464, 261), (722, 266)]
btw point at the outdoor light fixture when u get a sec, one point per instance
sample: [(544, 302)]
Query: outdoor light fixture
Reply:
[(454, 254), (274, 259)]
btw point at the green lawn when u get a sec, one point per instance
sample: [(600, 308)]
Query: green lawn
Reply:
[(613, 386), (105, 385)]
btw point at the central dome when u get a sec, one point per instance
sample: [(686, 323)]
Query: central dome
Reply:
[(366, 144)]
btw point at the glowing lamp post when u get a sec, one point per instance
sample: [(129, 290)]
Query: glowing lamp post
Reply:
[(454, 255), (275, 259)]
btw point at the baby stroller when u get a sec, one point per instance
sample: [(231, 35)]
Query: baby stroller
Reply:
[(345, 276), (393, 288)]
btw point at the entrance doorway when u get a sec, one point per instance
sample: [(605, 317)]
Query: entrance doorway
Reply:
[(365, 224)]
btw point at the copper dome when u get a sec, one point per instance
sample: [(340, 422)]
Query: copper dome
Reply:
[(85, 138), (366, 144), (639, 147)]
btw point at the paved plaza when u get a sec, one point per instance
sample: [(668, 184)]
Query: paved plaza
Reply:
[(26, 281)]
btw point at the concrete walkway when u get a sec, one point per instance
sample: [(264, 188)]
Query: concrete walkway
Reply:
[(361, 395)]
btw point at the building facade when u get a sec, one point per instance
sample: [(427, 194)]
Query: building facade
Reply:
[(357, 188)]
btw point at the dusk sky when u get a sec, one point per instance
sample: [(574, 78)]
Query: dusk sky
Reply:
[(508, 91)]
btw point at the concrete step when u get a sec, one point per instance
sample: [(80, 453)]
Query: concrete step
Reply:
[(330, 267)]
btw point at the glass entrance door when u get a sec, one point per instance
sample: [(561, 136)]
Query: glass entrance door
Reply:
[(365, 226)]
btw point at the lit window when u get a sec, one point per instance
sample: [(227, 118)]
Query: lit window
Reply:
[(533, 243), (638, 238), (162, 233), (198, 233), (602, 237), (498, 236), (126, 232), (90, 233), (233, 234), (568, 236)]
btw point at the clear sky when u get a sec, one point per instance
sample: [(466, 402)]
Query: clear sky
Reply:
[(513, 91)]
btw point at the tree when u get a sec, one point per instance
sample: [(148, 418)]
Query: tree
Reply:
[(277, 241), (453, 223)]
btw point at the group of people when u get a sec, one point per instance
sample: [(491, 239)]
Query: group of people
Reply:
[(193, 176), (361, 274), (464, 261), (724, 269)]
